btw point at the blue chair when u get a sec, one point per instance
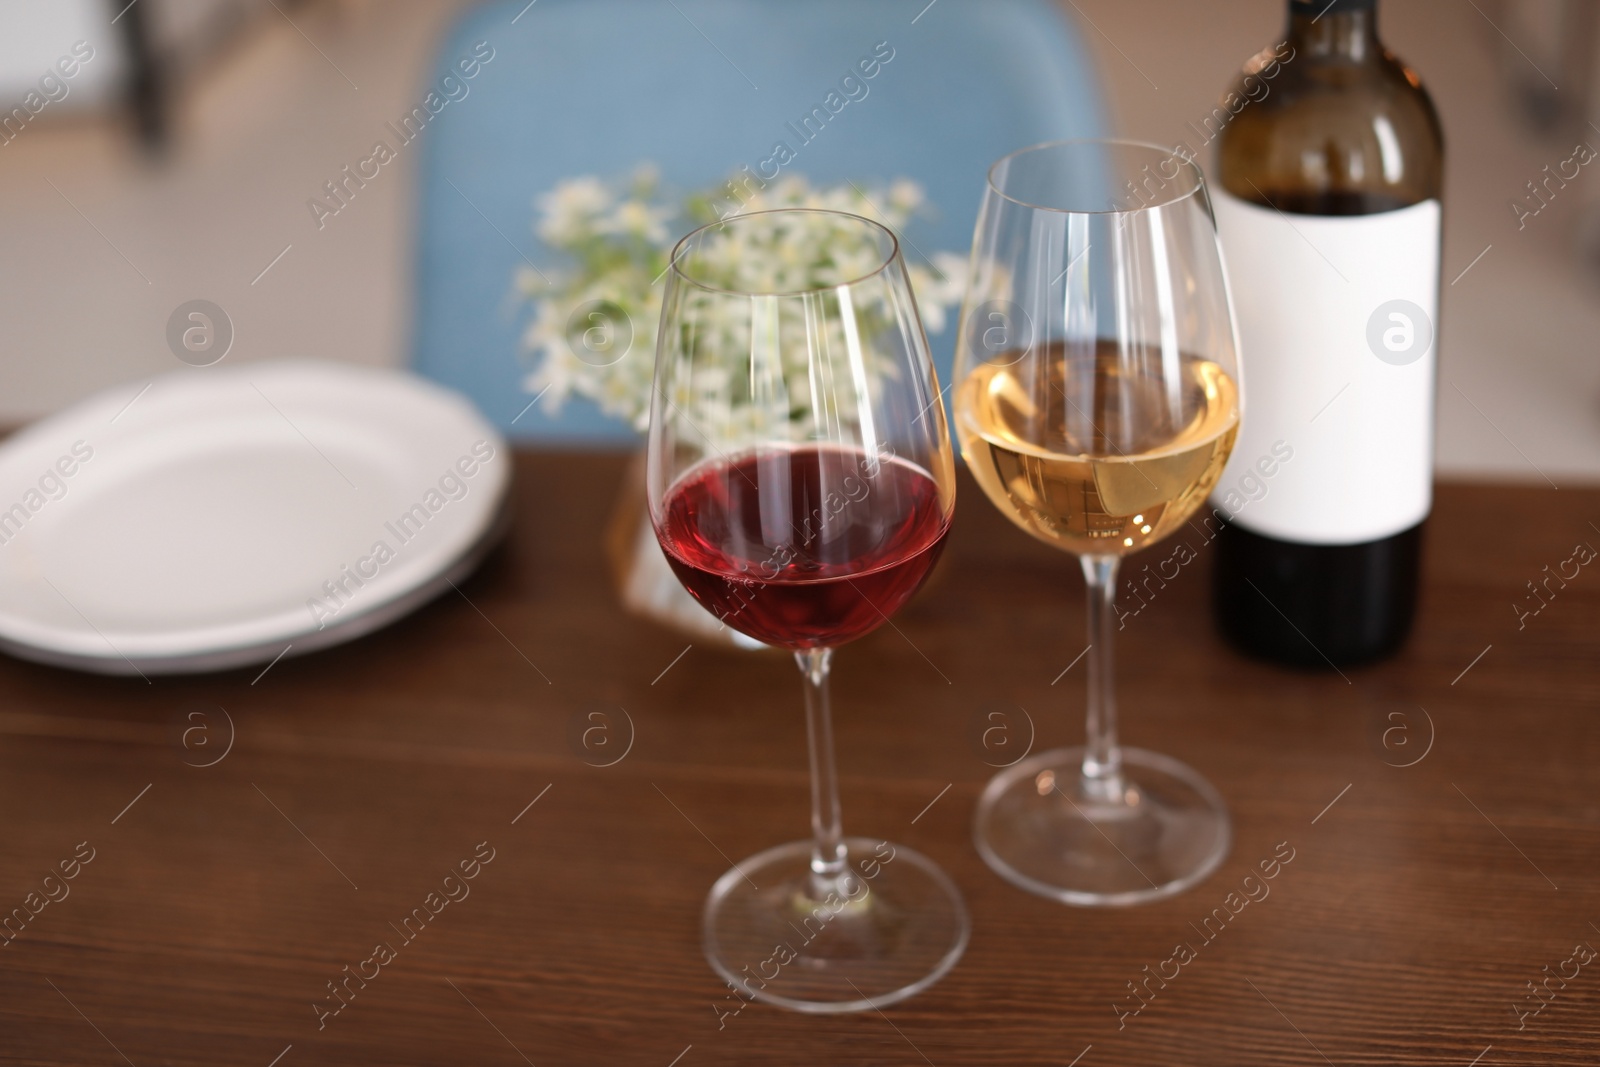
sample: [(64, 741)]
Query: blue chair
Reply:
[(598, 86)]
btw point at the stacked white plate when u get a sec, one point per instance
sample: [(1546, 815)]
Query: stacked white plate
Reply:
[(218, 517)]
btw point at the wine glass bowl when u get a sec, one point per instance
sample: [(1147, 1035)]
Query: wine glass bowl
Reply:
[(814, 592), (1106, 485), (801, 482), (1097, 401)]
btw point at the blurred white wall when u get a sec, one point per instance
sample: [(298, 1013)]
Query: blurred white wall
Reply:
[(34, 34)]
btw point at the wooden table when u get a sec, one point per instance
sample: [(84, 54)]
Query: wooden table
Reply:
[(222, 900)]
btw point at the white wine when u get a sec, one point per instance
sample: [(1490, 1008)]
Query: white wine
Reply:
[(1101, 468), (1097, 396)]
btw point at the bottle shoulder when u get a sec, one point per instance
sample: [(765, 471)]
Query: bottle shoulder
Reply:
[(1329, 137)]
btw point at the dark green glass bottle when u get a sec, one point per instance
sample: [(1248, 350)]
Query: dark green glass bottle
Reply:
[(1327, 189)]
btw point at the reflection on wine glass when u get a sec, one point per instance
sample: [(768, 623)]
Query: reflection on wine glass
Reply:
[(1097, 400), (801, 483)]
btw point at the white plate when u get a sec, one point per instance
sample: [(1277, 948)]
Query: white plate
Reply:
[(224, 514)]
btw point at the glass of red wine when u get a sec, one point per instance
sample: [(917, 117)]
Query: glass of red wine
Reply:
[(801, 483)]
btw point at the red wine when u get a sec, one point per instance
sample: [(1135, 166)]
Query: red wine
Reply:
[(1329, 170), (803, 547)]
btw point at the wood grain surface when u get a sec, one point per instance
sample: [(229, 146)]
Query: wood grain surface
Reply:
[(221, 900)]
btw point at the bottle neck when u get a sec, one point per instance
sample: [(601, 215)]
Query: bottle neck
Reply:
[(1335, 29)]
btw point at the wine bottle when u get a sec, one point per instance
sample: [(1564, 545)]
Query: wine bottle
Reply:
[(1327, 200)]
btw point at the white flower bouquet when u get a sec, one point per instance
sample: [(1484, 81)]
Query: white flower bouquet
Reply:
[(593, 331)]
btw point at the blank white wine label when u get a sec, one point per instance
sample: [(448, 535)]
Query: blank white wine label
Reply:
[(1337, 324)]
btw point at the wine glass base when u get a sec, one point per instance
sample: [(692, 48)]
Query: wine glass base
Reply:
[(893, 925), (1037, 829)]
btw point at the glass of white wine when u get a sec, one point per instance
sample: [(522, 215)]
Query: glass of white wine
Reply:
[(1097, 400)]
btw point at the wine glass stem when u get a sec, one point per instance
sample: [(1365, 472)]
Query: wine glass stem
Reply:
[(827, 850), (1102, 759)]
